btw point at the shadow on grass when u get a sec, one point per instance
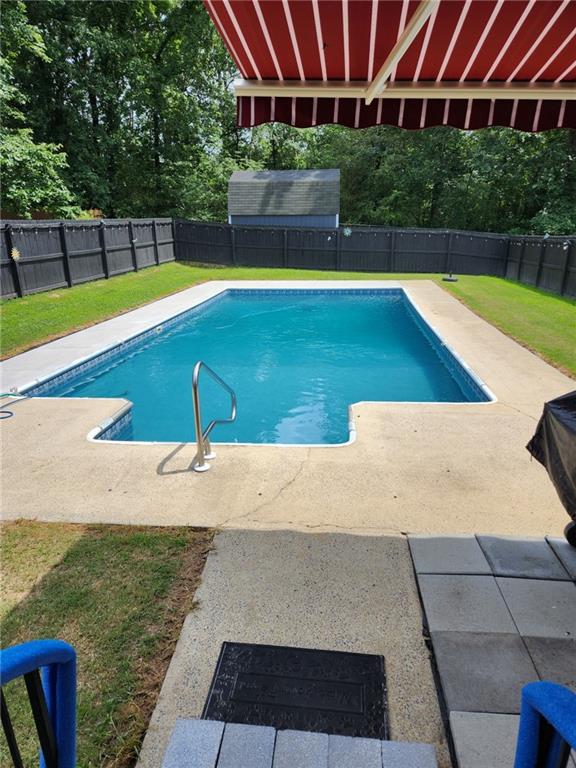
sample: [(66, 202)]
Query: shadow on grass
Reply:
[(119, 595)]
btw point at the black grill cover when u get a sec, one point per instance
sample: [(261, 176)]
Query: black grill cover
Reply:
[(554, 446)]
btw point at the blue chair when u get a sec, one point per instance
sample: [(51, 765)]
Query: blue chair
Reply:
[(52, 698), (547, 726)]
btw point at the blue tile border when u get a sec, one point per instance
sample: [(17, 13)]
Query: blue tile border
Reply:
[(471, 389), (117, 429)]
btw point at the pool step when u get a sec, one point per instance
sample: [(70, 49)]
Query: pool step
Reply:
[(213, 744)]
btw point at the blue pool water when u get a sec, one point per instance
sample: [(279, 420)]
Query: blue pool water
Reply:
[(296, 360)]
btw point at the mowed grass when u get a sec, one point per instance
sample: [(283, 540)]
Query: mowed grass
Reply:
[(544, 323), (119, 595)]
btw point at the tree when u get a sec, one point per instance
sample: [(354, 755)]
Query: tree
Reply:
[(31, 172)]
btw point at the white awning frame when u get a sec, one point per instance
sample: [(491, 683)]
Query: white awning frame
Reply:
[(358, 89)]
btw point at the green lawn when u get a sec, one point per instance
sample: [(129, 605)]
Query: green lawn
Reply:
[(538, 320), (119, 595)]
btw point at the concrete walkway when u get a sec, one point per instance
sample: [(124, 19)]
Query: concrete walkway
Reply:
[(330, 591), (432, 467)]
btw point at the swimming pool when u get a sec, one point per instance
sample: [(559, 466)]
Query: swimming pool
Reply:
[(297, 360)]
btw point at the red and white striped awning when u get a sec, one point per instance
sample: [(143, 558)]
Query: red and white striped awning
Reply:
[(409, 63)]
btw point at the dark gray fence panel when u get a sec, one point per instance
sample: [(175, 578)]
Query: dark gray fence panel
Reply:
[(204, 243), (84, 252), (41, 261), (515, 252), (259, 246), (118, 248), (311, 249), (552, 266), (365, 250), (165, 240), (6, 271), (420, 251), (477, 254), (144, 243), (530, 261)]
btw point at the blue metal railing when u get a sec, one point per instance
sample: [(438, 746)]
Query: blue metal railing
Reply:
[(547, 726), (53, 699)]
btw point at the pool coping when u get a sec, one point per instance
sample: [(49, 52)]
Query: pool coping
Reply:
[(176, 305)]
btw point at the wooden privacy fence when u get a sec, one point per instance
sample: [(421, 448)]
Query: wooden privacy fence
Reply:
[(364, 249), (545, 262), (55, 254)]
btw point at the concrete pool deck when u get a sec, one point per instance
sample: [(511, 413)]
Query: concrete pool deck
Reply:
[(417, 468), (262, 587)]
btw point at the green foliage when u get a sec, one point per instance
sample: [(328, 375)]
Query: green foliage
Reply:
[(31, 172), (31, 179), (138, 95), (492, 180)]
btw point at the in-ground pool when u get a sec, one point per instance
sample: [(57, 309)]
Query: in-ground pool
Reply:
[(297, 359)]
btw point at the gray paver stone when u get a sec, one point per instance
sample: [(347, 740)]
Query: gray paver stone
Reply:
[(566, 553), (554, 659), (465, 604), (194, 744), (397, 754), (346, 751), (247, 746), (448, 554), (482, 672), (484, 740), (522, 558), (541, 608), (300, 749)]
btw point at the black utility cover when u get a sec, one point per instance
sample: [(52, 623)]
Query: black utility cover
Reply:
[(299, 689), (554, 446)]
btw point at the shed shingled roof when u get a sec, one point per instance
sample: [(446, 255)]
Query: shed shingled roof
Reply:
[(284, 193)]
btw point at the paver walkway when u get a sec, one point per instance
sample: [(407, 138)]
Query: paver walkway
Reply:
[(501, 612), (329, 591), (211, 744)]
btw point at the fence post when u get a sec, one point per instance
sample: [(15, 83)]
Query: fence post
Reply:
[(540, 262), (155, 238), (15, 266), (173, 230), (104, 249), (448, 262), (507, 256), (392, 258), (132, 245), (520, 258), (285, 247), (566, 270), (65, 254), (233, 244), (338, 250)]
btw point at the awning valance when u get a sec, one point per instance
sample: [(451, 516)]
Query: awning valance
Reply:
[(409, 63)]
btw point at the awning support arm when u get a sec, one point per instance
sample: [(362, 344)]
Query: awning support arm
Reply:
[(417, 21)]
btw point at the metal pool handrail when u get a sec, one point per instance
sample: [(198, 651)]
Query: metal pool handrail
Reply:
[(204, 449)]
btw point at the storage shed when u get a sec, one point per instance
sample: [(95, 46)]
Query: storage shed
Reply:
[(285, 198)]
